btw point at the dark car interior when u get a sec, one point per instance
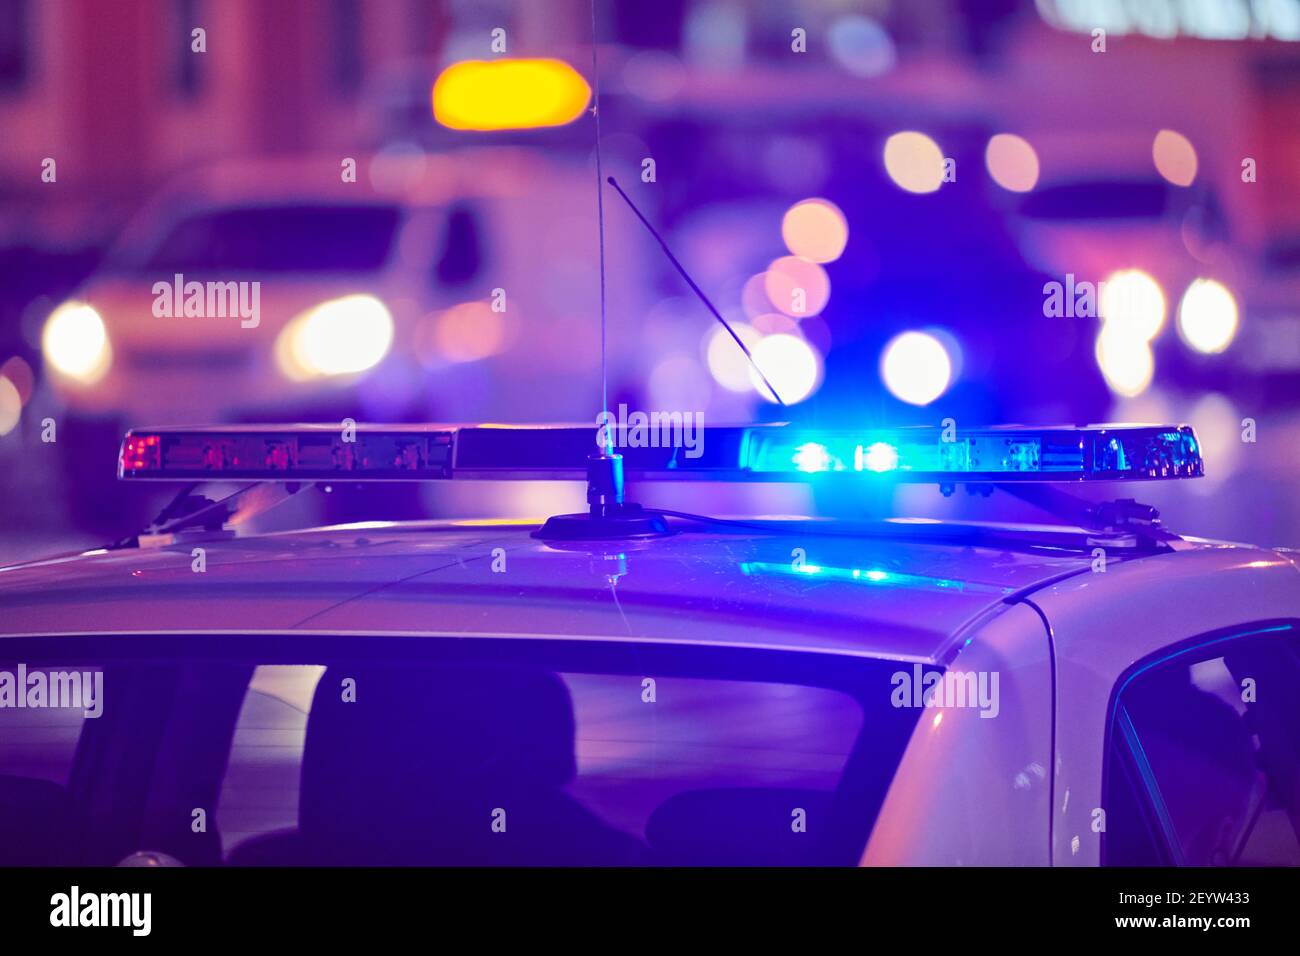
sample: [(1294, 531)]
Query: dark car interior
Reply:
[(451, 756)]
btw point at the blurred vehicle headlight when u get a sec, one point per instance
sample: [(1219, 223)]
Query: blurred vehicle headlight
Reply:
[(339, 337), (1125, 360), (1132, 301), (75, 342), (1207, 316)]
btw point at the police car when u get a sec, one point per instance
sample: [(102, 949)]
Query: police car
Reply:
[(628, 686)]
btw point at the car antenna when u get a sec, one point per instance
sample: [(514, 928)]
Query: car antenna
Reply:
[(608, 446), (609, 515), (694, 287)]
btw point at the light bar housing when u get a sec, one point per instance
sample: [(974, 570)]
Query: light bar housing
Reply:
[(779, 452)]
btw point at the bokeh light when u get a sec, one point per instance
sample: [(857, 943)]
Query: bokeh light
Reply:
[(509, 94), (20, 376), (1175, 157), (11, 405), (1125, 360), (797, 286), (1207, 316), (914, 162), (916, 368), (792, 366), (815, 229), (1132, 301), (1012, 162), (468, 332), (727, 363), (75, 342), (861, 46), (340, 337)]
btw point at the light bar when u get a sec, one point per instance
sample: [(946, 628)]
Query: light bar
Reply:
[(1002, 454), (719, 453)]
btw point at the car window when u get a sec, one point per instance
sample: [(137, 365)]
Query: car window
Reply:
[(39, 742), (1204, 757), (564, 755), (278, 238)]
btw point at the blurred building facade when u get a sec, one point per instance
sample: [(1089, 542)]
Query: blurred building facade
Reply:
[(115, 92)]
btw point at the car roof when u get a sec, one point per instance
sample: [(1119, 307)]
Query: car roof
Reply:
[(889, 598), (419, 182), (417, 179)]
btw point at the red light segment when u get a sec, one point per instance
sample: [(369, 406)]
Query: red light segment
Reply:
[(141, 452)]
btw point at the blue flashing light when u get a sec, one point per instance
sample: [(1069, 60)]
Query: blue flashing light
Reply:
[(878, 456), (811, 458), (1092, 453)]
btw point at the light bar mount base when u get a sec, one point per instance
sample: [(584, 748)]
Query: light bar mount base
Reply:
[(1117, 516), (610, 516)]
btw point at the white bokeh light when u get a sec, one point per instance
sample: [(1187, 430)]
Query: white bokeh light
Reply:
[(916, 368), (792, 366), (727, 363), (343, 336), (1125, 360), (1207, 316), (1132, 300), (914, 162), (75, 342)]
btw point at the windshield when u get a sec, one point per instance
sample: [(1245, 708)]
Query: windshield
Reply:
[(277, 238), (422, 751)]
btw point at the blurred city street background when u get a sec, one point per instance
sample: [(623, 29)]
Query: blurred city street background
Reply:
[(912, 210)]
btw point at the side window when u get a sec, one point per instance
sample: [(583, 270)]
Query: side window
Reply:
[(259, 792), (714, 771), (42, 713), (1203, 762)]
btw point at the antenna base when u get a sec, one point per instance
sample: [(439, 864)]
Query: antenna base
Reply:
[(610, 516), (625, 521)]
